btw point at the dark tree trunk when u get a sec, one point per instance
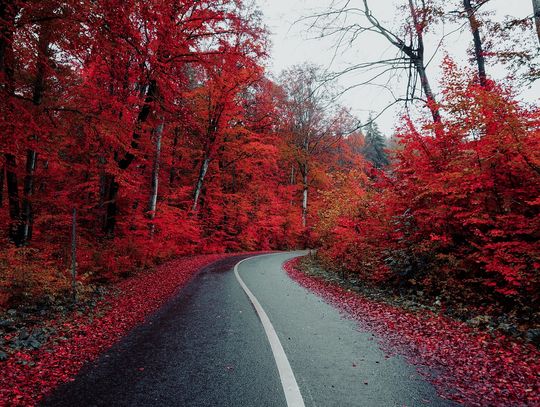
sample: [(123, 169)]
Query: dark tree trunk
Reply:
[(13, 199), (27, 218), (124, 162), (151, 94), (7, 86), (417, 57), (478, 50), (27, 213)]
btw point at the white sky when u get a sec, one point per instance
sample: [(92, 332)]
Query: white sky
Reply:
[(293, 44)]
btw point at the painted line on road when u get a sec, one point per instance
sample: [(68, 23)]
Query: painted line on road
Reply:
[(288, 381)]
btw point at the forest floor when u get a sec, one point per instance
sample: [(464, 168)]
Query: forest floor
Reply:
[(474, 364), (42, 346)]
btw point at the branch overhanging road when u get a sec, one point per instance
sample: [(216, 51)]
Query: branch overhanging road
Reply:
[(208, 346)]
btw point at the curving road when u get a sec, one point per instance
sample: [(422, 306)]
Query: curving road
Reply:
[(211, 346)]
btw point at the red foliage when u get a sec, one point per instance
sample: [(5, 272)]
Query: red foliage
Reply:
[(28, 375), (154, 120), (474, 368), (115, 108), (458, 213)]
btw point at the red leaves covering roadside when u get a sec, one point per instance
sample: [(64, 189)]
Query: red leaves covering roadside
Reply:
[(475, 368), (28, 375)]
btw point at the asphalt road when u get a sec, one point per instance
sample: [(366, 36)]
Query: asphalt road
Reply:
[(207, 347)]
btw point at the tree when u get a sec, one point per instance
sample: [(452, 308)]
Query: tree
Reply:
[(217, 107), (478, 48), (458, 212), (97, 113), (375, 145), (312, 123), (512, 42), (336, 22)]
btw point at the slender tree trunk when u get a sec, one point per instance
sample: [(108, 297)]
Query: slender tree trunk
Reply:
[(200, 182), (21, 221), (415, 55), (305, 187), (536, 9), (27, 214), (151, 95), (211, 137), (123, 163), (152, 206), (31, 155), (418, 61), (292, 182), (426, 87), (478, 49), (7, 86)]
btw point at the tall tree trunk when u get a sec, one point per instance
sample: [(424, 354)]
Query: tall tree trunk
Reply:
[(536, 9), (123, 163), (305, 187), (478, 49), (200, 181), (151, 95), (7, 86), (292, 182), (418, 60), (426, 87), (152, 205), (27, 214), (31, 155), (211, 138), (415, 55)]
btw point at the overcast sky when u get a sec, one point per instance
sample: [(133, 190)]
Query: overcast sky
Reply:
[(294, 44)]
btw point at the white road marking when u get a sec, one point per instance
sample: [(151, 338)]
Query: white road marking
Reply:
[(288, 381)]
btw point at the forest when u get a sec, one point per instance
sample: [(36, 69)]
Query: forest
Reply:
[(135, 132)]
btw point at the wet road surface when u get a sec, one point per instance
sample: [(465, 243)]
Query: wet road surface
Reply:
[(207, 347)]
